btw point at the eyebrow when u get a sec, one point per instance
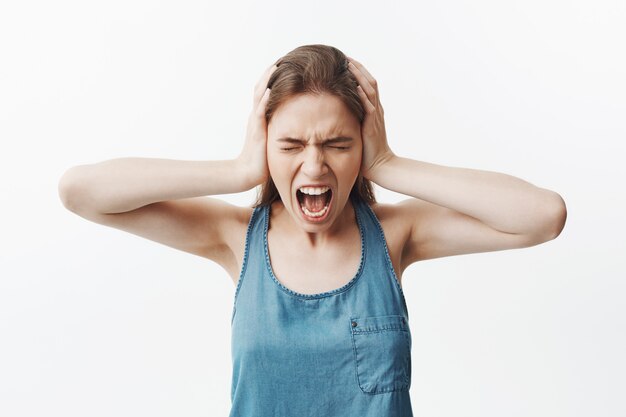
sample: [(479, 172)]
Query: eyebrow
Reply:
[(339, 139)]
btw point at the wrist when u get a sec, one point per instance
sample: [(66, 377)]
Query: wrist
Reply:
[(384, 159), (248, 176)]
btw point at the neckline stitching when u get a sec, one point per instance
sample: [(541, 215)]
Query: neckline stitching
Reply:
[(336, 291)]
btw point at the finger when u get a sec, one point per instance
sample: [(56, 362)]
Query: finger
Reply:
[(373, 83), (363, 82), (269, 73), (365, 72), (369, 107), (260, 109), (261, 85), (266, 75)]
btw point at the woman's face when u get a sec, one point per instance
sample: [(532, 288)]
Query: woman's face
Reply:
[(314, 142)]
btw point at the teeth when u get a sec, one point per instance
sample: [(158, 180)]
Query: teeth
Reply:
[(314, 190), (316, 214)]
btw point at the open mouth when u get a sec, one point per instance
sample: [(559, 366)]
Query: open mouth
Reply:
[(314, 202)]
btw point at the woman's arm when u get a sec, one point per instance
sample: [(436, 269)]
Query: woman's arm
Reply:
[(455, 210), (124, 184), (503, 202), (163, 199)]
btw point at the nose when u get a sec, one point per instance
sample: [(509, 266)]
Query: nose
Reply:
[(314, 164)]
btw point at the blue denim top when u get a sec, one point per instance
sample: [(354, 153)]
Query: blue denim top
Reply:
[(340, 353)]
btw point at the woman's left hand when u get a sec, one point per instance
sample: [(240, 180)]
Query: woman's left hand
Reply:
[(376, 150)]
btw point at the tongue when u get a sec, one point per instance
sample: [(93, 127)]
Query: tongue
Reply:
[(314, 203)]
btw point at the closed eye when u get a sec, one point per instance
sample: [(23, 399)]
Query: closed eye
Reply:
[(343, 148)]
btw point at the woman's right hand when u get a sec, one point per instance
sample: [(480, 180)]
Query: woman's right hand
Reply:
[(253, 157)]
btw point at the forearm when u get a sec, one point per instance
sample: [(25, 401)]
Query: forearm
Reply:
[(504, 202), (124, 184)]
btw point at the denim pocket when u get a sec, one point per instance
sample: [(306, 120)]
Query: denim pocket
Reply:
[(382, 353)]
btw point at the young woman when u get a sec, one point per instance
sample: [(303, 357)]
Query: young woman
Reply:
[(319, 322)]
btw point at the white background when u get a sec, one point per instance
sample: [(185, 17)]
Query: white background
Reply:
[(98, 322)]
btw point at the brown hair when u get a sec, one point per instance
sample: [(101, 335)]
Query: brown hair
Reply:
[(314, 69)]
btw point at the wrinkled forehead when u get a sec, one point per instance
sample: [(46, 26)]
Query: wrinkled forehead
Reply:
[(312, 117), (314, 133)]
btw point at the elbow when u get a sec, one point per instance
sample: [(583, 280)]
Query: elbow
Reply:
[(548, 222), (556, 217), (68, 188)]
